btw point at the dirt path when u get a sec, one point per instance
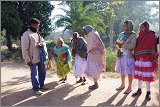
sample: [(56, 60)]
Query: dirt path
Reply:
[(16, 91)]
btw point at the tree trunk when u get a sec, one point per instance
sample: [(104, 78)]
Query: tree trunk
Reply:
[(9, 43), (111, 25)]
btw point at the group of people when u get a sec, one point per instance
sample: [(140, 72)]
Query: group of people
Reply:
[(136, 56), (89, 57)]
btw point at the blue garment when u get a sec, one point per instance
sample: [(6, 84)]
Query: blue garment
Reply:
[(65, 48), (38, 75), (121, 36), (42, 54), (88, 28)]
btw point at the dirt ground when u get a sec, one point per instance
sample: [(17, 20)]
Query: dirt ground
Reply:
[(16, 91)]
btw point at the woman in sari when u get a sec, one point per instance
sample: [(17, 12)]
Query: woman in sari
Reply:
[(62, 57), (96, 55)]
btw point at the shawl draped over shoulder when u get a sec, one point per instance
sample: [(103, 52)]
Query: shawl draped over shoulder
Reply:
[(62, 50)]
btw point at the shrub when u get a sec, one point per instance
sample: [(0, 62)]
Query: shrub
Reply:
[(110, 60), (50, 44)]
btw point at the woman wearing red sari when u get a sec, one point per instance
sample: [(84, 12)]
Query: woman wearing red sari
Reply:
[(146, 58)]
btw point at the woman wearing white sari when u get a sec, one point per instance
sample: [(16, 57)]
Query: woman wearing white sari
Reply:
[(79, 51)]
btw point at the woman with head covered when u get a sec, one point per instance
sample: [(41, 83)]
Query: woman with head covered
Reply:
[(146, 55), (79, 51), (62, 56), (125, 56), (96, 55)]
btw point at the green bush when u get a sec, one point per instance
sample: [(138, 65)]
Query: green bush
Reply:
[(50, 44), (110, 60)]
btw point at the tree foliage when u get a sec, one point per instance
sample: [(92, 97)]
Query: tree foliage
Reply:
[(16, 15), (37, 9), (79, 15), (10, 21), (107, 16), (107, 9), (137, 11)]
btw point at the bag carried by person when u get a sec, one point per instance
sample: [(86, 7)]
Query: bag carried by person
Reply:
[(42, 52)]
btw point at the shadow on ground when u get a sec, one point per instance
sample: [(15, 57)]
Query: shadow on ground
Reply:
[(120, 102), (110, 100), (15, 65), (54, 96), (17, 81)]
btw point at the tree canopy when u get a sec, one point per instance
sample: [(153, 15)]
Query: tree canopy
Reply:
[(79, 15), (106, 17), (16, 15), (37, 9)]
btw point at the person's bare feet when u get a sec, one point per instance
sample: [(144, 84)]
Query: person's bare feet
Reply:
[(129, 89), (120, 87)]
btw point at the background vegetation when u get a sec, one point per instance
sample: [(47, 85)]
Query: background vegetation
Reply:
[(106, 16)]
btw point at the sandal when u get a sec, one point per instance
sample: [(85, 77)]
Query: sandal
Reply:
[(120, 88), (127, 92), (79, 81), (93, 87), (90, 86)]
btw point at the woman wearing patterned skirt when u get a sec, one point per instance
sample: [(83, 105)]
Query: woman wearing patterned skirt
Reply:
[(146, 58), (125, 58), (63, 58), (96, 55)]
